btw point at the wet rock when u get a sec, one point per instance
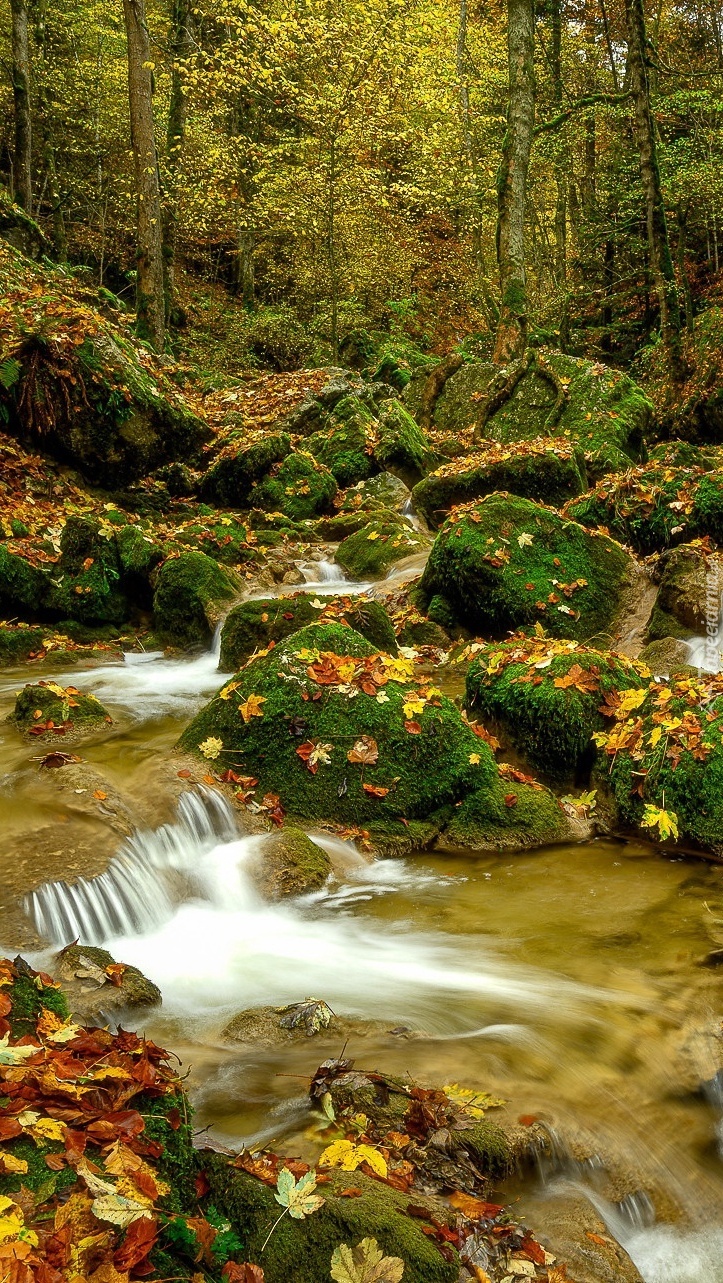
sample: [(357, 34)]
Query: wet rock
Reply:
[(273, 1027), (508, 563), (666, 656), (96, 986), (253, 624), (191, 594), (230, 480), (570, 1228), (87, 581), (695, 1055), (513, 817), (47, 705), (680, 609), (402, 446), (381, 747), (371, 550), (289, 863)]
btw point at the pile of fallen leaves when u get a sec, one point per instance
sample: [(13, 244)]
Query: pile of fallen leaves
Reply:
[(488, 454), (539, 652), (88, 1190), (249, 412)]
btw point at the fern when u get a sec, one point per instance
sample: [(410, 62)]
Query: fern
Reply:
[(9, 373)]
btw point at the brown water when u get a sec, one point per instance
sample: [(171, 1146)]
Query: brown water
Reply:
[(566, 981)]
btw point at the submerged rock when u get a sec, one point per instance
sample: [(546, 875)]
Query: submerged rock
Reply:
[(96, 986), (253, 624), (191, 593), (666, 656), (506, 563), (571, 1229), (312, 1018)]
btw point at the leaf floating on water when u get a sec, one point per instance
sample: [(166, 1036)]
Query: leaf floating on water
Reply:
[(365, 1263), (474, 1102), (298, 1197)]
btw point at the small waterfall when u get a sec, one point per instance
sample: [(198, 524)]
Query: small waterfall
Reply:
[(323, 572), (410, 515), (135, 894)]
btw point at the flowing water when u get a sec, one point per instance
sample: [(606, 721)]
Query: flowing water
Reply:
[(559, 979)]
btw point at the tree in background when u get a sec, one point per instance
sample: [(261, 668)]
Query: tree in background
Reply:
[(22, 171), (150, 284)]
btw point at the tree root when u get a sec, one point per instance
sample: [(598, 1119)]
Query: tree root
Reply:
[(434, 386), (503, 385)]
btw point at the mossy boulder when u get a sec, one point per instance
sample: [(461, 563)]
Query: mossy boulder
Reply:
[(87, 582), (598, 409), (85, 387), (327, 692), (667, 754), (289, 863), (457, 406), (402, 446), (23, 587), (385, 490), (371, 551), (230, 479), (550, 471), (57, 706), (706, 516), (509, 817), (546, 698), (666, 656), (221, 536), (138, 555), (300, 487), (191, 594), (681, 608), (252, 625), (506, 563), (648, 507), (303, 1249), (345, 446), (19, 642), (89, 988)]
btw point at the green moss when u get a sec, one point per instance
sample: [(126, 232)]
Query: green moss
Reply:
[(87, 584), (402, 447), (707, 513), (82, 710), (222, 537), (303, 1249), (506, 563), (230, 480), (490, 820), (139, 555), (458, 405), (293, 865), (39, 1178), (23, 587), (29, 999), (549, 472), (647, 507), (421, 771), (300, 487), (550, 725), (191, 592), (18, 642), (253, 624), (384, 540), (345, 446), (179, 1162)]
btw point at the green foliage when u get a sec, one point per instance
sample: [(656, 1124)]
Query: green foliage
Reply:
[(253, 624), (369, 552)]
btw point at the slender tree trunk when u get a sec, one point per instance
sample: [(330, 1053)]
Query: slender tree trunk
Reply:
[(22, 158), (45, 118), (181, 48), (661, 262), (150, 293), (511, 337), (560, 166), (682, 213), (331, 248)]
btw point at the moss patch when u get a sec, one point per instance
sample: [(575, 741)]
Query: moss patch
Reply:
[(402, 447), (190, 595), (253, 624), (372, 550), (58, 706), (230, 480), (300, 487)]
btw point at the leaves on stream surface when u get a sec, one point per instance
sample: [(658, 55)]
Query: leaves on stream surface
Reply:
[(365, 1263)]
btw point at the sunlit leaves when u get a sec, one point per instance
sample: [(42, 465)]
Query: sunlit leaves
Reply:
[(298, 1197), (365, 1263), (348, 1156), (665, 822)]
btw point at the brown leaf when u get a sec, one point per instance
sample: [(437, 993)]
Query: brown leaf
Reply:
[(375, 790), (474, 1208), (364, 751), (139, 1239), (413, 728)]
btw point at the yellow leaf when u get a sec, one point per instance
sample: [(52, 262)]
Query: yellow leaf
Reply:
[(474, 759), (347, 1156), (252, 707)]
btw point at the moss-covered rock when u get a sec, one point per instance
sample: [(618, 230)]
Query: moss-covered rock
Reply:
[(599, 409), (457, 407), (19, 642), (681, 608), (57, 705), (546, 697), (138, 554), (373, 549), (648, 507), (87, 583), (402, 446), (230, 479), (23, 587), (345, 446), (327, 692), (510, 817), (550, 471), (77, 964), (303, 1249), (385, 490), (191, 593), (85, 387), (289, 863), (300, 487), (706, 517), (668, 655), (252, 625), (506, 563), (666, 754)]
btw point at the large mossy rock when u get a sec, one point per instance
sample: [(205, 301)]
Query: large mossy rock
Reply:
[(19, 642), (230, 479), (506, 563), (549, 697), (252, 625), (82, 384), (87, 583), (191, 594), (681, 607), (138, 555), (509, 817), (402, 446), (300, 487), (651, 506), (302, 1250), (345, 446), (44, 704), (666, 754), (327, 692), (550, 471), (458, 404), (23, 586), (372, 550)]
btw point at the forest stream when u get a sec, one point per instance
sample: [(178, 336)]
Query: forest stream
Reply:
[(557, 979)]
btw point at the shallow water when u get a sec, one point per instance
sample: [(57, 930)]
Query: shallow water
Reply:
[(558, 979)]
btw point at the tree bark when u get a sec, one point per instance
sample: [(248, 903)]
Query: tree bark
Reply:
[(560, 166), (150, 293), (181, 48), (511, 337), (661, 261), (22, 158)]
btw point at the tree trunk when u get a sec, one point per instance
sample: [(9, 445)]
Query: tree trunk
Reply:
[(22, 158), (560, 166), (181, 48), (43, 77), (511, 337), (150, 294), (661, 262)]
